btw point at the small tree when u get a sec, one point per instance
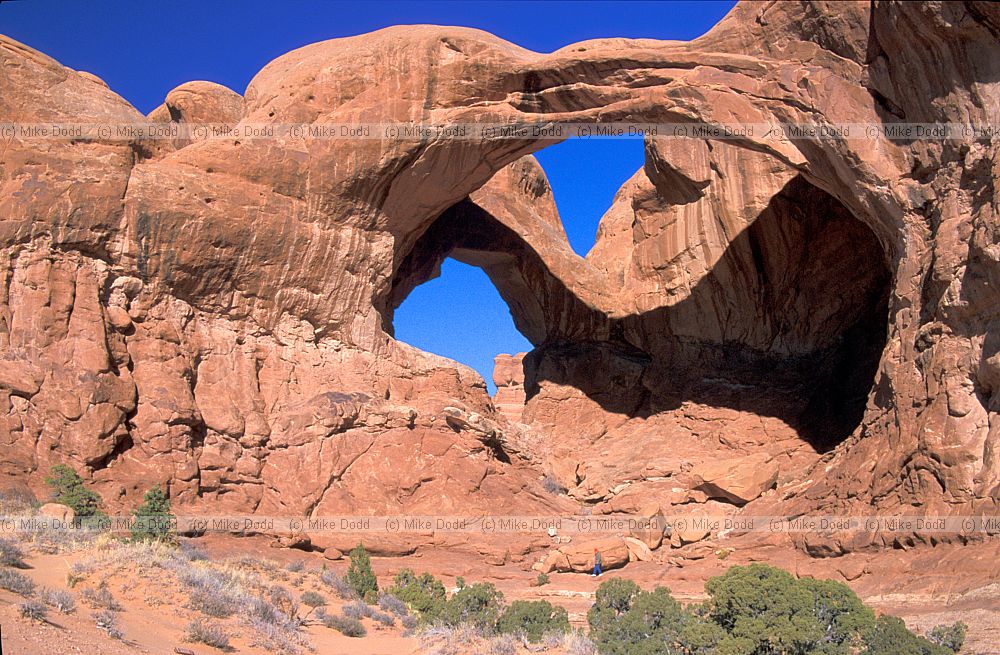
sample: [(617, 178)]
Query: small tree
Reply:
[(951, 636), (651, 623), (534, 619), (360, 576), (424, 594), (700, 636), (891, 637), (153, 516), (315, 601), (613, 598), (478, 605), (770, 608), (67, 487)]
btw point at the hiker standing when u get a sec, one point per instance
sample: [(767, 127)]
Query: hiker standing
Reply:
[(597, 563)]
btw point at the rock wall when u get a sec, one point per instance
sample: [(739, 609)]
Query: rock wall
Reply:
[(508, 376), (216, 314)]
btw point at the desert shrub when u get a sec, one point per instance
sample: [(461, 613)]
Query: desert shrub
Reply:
[(774, 611), (17, 500), (16, 582), (501, 644), (62, 601), (843, 619), (101, 598), (68, 489), (192, 553), (346, 625), (312, 599), (551, 485), (78, 572), (340, 586), (542, 580), (424, 594), (359, 573), (550, 640), (409, 622), (612, 599), (282, 599), (384, 618), (459, 582), (256, 563), (651, 619), (295, 566), (32, 610), (751, 610), (217, 605), (199, 577), (153, 519), (275, 638), (393, 605), (108, 621), (478, 605), (891, 637), (533, 619), (951, 636), (202, 632), (577, 643), (701, 636), (11, 554), (260, 611), (212, 592), (450, 639), (359, 609)]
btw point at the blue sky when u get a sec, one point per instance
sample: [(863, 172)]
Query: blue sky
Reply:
[(144, 49)]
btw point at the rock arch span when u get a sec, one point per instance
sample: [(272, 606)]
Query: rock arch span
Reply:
[(276, 261)]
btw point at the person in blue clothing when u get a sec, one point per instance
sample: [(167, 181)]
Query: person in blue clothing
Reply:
[(597, 563)]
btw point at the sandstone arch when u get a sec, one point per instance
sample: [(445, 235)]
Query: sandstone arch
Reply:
[(273, 254)]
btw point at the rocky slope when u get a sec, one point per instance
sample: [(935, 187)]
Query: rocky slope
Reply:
[(216, 315)]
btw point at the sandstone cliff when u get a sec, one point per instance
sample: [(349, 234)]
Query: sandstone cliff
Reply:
[(216, 314)]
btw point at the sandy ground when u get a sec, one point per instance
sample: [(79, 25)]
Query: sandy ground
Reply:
[(154, 616)]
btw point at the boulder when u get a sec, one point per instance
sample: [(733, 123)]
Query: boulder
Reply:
[(377, 545), (58, 511), (651, 527), (737, 480), (687, 535), (579, 556), (638, 550)]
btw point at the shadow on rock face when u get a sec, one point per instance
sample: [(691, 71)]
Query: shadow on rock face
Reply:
[(790, 322)]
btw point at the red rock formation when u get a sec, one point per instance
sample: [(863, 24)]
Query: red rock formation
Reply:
[(217, 314), (508, 375)]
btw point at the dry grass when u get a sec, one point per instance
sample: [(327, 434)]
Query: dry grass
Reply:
[(62, 601), (577, 643), (448, 640), (32, 610), (210, 634), (101, 598), (108, 621), (243, 595), (237, 589), (346, 625), (11, 554), (17, 583)]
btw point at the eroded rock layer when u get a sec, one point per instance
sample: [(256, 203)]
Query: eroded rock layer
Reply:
[(216, 315)]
